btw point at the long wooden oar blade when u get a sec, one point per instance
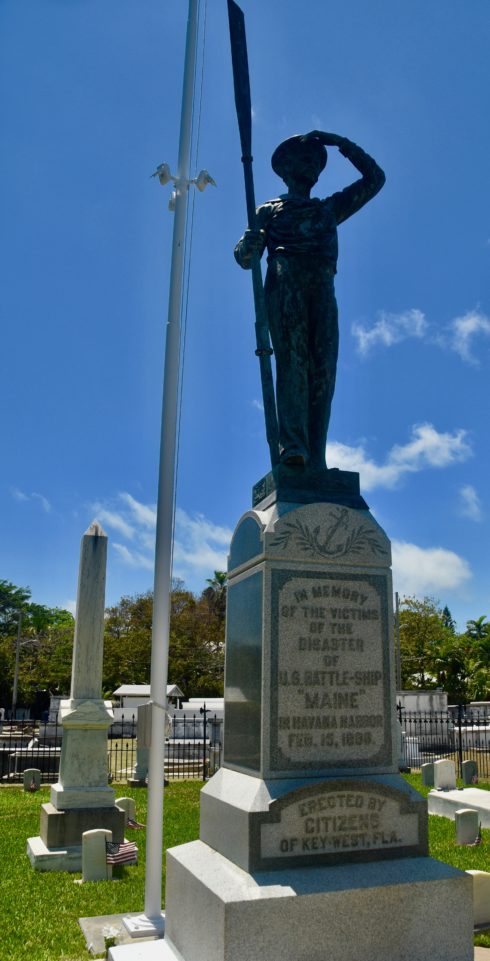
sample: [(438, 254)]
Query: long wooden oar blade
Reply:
[(241, 81)]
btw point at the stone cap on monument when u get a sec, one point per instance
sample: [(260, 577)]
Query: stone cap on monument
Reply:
[(315, 533)]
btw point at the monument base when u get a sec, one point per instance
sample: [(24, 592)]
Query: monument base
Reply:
[(43, 858), (59, 846), (415, 909), (312, 847), (308, 485), (273, 824)]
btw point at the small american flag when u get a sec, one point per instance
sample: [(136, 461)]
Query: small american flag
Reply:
[(134, 824), (125, 852)]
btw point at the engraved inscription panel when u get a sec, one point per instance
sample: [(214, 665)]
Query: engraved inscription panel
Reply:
[(340, 822), (330, 672)]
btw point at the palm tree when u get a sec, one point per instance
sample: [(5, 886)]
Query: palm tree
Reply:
[(477, 629), (215, 594)]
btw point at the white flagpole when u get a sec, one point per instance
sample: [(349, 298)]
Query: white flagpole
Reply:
[(152, 919)]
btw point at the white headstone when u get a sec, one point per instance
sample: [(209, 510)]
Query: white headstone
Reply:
[(444, 775), (31, 779), (139, 773), (94, 857), (144, 725), (467, 825), (128, 806), (428, 774), (470, 772), (481, 897), (140, 770)]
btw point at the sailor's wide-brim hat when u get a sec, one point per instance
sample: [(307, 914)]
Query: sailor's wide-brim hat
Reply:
[(290, 148)]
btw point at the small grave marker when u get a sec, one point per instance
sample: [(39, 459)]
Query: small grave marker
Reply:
[(428, 774), (94, 856), (470, 772), (31, 779), (481, 898), (467, 822), (128, 806), (444, 775)]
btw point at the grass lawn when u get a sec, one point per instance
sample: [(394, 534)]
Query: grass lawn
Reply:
[(40, 911), (443, 847)]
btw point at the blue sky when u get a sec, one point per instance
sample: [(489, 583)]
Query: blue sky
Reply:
[(90, 105)]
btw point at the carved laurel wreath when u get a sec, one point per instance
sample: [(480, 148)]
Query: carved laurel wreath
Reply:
[(308, 540)]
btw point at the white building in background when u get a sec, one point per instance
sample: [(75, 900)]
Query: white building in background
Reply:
[(129, 697), (214, 705), (187, 716), (422, 701)]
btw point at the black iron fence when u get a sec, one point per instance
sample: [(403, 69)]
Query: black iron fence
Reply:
[(460, 733), (26, 743), (193, 748)]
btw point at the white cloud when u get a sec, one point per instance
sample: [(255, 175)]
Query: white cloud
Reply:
[(145, 514), (458, 335), (421, 571), (133, 558), (43, 501), (197, 529), (19, 495), (390, 329), (258, 404), (114, 520), (200, 546), (470, 503), (69, 605), (427, 448), (464, 330)]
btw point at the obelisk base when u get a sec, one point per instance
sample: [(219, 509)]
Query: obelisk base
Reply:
[(82, 799)]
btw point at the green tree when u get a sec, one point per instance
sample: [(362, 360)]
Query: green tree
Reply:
[(12, 600), (196, 642), (449, 663), (127, 642), (215, 594), (46, 642), (434, 655), (448, 620), (478, 629), (422, 636)]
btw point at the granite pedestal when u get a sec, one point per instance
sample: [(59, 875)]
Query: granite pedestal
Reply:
[(312, 846)]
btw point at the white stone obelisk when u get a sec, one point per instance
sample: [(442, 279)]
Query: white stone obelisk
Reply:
[(85, 716)]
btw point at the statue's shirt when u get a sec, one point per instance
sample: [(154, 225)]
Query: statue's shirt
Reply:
[(297, 226)]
